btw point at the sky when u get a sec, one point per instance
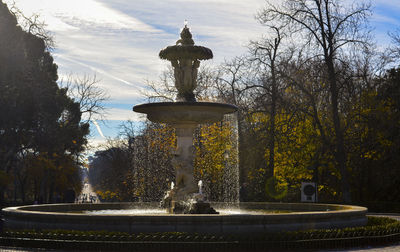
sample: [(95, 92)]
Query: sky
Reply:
[(119, 41)]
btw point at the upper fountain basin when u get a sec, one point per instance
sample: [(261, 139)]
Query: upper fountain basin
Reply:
[(185, 112)]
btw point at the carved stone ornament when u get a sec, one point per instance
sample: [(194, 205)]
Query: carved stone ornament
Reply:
[(185, 59)]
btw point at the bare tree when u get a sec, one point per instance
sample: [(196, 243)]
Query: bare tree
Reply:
[(330, 28), (394, 50), (91, 98), (163, 89), (232, 80), (265, 55), (33, 25)]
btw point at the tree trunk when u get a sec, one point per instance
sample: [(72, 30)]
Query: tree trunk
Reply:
[(340, 154), (2, 191), (271, 165), (22, 189)]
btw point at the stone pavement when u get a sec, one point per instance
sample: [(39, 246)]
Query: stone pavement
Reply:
[(392, 248)]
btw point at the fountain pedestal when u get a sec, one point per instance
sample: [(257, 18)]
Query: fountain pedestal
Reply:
[(183, 162), (184, 117), (184, 197)]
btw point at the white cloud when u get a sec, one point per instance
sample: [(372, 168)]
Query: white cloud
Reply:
[(385, 19), (119, 41), (76, 13), (94, 69), (96, 144), (116, 114), (119, 89), (392, 5)]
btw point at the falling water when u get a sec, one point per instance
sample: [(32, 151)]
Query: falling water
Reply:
[(231, 171), (152, 172), (200, 184)]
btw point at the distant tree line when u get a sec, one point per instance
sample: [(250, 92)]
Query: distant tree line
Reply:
[(317, 102), (42, 135)]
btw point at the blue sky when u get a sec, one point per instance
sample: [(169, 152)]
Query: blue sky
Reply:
[(119, 40)]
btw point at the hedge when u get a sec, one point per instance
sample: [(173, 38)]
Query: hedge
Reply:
[(379, 230)]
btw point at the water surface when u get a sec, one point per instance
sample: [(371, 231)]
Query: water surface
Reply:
[(159, 211)]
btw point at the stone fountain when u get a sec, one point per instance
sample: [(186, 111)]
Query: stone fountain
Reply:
[(185, 115)]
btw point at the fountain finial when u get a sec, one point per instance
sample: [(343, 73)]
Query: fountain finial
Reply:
[(185, 59), (186, 37)]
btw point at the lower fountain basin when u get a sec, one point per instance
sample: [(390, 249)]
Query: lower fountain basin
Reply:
[(185, 112), (234, 218)]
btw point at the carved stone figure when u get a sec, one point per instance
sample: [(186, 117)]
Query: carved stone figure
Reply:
[(185, 59)]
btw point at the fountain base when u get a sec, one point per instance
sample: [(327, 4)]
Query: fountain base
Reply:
[(195, 203), (202, 208), (184, 207)]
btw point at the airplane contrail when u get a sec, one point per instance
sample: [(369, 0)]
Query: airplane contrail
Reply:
[(95, 69), (98, 128)]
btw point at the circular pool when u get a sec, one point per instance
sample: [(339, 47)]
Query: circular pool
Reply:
[(147, 217)]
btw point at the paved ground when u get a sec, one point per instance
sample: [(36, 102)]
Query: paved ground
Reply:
[(87, 195), (393, 248)]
